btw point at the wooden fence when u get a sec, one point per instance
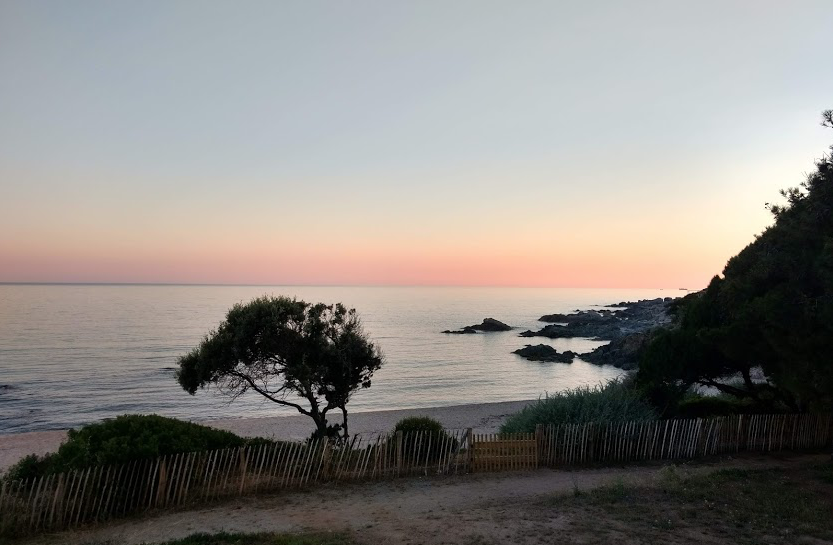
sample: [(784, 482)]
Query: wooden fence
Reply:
[(572, 444), (100, 493), (506, 452)]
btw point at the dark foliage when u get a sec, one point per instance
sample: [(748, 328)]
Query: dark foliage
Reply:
[(430, 428), (126, 438), (615, 401), (309, 357), (699, 406), (771, 310)]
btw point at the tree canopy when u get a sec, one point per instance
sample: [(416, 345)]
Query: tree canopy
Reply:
[(768, 321), (311, 357)]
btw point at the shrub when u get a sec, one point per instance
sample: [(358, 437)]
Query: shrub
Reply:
[(418, 423), (611, 402), (433, 438), (702, 406), (126, 438)]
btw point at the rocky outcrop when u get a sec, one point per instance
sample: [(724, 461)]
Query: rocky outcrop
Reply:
[(465, 331), (488, 325), (544, 352), (579, 316), (605, 324), (623, 352)]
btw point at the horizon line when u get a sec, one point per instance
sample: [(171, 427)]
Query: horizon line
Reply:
[(217, 284)]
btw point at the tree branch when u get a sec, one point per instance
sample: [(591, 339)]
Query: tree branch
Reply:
[(726, 389), (265, 394)]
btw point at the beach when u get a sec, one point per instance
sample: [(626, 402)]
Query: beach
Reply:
[(114, 350), (481, 417)]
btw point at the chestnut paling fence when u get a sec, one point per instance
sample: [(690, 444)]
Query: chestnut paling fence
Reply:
[(94, 494)]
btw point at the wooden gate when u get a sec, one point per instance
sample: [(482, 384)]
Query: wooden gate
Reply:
[(506, 452)]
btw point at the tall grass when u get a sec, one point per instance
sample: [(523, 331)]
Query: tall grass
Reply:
[(611, 402)]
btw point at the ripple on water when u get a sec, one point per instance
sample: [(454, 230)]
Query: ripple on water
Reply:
[(75, 354)]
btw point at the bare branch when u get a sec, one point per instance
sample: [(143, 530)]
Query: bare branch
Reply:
[(265, 394)]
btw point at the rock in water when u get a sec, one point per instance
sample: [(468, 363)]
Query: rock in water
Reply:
[(544, 352), (488, 325), (465, 331)]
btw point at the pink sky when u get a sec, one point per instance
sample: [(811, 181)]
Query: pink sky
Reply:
[(546, 144)]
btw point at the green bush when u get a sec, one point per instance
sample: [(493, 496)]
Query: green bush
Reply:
[(126, 438), (611, 402), (432, 432), (418, 423), (702, 406)]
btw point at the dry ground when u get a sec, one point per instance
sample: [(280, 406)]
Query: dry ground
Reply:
[(643, 504)]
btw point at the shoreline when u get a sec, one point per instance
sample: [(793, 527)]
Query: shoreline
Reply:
[(481, 417)]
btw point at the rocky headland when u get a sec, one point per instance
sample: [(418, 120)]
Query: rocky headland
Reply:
[(606, 324), (487, 325), (629, 326)]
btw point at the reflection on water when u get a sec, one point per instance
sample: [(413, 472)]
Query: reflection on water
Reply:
[(73, 354)]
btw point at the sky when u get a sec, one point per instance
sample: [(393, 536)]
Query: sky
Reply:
[(566, 144)]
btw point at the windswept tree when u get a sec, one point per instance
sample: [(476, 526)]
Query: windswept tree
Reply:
[(308, 357), (764, 330)]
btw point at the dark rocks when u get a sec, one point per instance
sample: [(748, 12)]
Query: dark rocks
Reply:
[(544, 352), (488, 325), (465, 331), (629, 318), (623, 352), (578, 317)]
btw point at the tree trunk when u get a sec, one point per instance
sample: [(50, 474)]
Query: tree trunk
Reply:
[(344, 421), (320, 424)]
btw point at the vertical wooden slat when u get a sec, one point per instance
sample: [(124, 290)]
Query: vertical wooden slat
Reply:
[(162, 482), (80, 497), (243, 464)]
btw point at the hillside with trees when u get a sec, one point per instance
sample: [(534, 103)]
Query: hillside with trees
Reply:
[(763, 331)]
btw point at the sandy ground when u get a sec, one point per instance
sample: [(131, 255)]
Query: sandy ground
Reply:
[(483, 417), (472, 509)]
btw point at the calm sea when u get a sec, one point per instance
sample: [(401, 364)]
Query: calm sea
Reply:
[(73, 354)]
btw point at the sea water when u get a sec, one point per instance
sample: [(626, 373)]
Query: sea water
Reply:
[(74, 354)]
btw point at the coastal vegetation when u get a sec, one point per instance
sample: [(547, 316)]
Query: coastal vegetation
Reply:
[(124, 439), (777, 505), (615, 401), (763, 331), (308, 357), (426, 435)]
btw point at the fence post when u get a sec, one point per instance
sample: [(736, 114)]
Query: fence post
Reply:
[(399, 453), (163, 482), (243, 467), (326, 460), (58, 501), (470, 442), (539, 442)]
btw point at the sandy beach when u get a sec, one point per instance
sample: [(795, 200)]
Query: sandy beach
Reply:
[(482, 417)]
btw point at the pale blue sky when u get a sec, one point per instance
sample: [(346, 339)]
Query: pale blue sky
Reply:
[(549, 132)]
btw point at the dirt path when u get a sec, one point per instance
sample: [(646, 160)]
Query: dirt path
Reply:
[(461, 510)]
